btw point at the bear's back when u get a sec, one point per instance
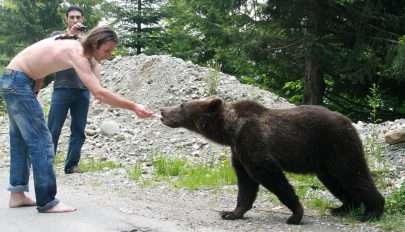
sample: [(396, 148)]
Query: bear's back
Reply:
[(300, 135)]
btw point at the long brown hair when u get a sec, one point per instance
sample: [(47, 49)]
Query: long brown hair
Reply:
[(98, 36)]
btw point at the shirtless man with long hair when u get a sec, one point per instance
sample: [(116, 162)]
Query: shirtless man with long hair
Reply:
[(30, 140)]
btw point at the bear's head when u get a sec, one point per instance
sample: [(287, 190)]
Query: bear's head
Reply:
[(194, 115)]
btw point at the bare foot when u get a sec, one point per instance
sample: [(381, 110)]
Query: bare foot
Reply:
[(60, 208), (18, 199)]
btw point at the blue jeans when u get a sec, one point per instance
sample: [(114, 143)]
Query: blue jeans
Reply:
[(30, 140), (77, 101)]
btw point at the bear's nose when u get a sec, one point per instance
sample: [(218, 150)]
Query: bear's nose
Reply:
[(161, 109)]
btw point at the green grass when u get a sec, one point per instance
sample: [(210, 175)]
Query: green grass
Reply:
[(181, 173), (135, 172), (59, 158), (304, 183), (206, 176), (167, 166), (393, 219), (87, 165), (93, 165)]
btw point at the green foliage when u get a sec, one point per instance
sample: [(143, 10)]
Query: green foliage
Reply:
[(138, 22), (353, 44), (24, 23), (291, 90)]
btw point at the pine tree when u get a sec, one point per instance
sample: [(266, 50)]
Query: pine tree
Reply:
[(138, 22)]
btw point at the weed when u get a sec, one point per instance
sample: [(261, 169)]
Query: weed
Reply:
[(213, 78), (164, 166), (393, 219), (205, 176), (93, 165), (46, 108), (135, 172), (395, 202)]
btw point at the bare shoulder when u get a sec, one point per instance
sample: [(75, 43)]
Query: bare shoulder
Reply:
[(71, 47)]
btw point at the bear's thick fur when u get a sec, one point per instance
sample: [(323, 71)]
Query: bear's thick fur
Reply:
[(264, 142)]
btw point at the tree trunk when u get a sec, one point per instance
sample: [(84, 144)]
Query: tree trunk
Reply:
[(314, 85), (139, 30)]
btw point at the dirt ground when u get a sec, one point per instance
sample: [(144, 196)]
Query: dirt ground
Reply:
[(108, 201)]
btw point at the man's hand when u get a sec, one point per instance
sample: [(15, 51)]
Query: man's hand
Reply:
[(75, 29), (142, 111)]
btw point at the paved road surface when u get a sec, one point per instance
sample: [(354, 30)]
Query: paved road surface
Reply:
[(92, 215)]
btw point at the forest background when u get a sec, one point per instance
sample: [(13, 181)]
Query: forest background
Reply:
[(347, 55)]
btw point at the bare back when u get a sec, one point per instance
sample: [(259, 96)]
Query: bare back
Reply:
[(48, 56)]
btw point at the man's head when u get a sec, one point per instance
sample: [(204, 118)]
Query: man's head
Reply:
[(73, 15), (100, 42)]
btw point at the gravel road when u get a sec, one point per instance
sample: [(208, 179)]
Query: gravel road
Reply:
[(109, 201)]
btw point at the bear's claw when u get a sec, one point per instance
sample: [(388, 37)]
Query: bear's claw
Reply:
[(294, 219), (229, 215)]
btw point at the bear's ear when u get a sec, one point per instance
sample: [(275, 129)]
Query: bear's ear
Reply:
[(215, 104)]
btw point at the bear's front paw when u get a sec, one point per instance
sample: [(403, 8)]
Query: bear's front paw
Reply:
[(230, 215)]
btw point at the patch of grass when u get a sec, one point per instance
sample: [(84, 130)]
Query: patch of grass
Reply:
[(191, 176), (46, 108), (167, 166), (205, 176), (304, 183), (392, 222), (393, 219), (58, 162), (93, 165), (395, 202), (135, 172), (87, 165), (58, 159)]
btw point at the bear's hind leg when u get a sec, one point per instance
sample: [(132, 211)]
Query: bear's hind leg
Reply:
[(357, 180), (334, 186), (365, 191), (273, 179), (247, 193)]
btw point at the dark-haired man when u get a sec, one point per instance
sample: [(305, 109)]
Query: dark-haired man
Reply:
[(70, 94)]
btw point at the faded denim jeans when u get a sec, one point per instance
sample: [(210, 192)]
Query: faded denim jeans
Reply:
[(30, 140), (77, 101)]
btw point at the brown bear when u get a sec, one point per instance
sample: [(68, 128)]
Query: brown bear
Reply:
[(265, 142)]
